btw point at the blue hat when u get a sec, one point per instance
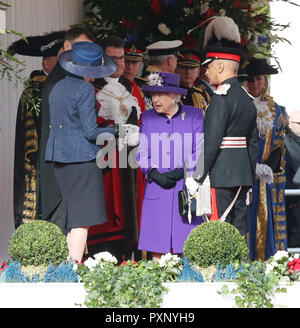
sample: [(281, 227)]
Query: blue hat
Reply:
[(164, 82), (86, 59)]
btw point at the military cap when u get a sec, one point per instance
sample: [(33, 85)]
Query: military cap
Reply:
[(189, 58), (223, 50), (46, 45), (161, 48), (134, 51)]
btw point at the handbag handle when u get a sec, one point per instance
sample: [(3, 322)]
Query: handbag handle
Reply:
[(223, 217)]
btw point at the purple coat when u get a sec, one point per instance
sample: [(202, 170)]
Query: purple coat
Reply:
[(162, 228)]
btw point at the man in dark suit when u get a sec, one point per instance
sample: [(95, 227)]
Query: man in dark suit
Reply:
[(52, 208), (230, 141)]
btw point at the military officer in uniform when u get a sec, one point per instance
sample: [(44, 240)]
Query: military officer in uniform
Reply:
[(163, 57), (230, 142), (188, 67), (134, 55)]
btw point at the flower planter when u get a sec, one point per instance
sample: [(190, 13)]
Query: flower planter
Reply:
[(205, 295), (180, 295)]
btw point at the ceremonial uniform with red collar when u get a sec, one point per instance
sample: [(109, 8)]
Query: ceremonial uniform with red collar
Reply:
[(230, 144)]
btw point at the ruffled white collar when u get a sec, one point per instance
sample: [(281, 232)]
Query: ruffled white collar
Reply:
[(264, 116), (116, 102)]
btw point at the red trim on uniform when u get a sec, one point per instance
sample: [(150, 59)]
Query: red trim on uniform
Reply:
[(222, 55), (189, 57), (214, 208), (131, 52)]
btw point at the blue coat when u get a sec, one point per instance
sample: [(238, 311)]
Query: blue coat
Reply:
[(73, 122), (181, 140)]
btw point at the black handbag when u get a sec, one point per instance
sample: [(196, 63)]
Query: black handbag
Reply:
[(186, 203)]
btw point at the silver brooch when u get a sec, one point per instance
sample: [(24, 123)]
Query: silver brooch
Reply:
[(183, 115)]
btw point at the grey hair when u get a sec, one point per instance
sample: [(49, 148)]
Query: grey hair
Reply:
[(157, 60), (176, 97)]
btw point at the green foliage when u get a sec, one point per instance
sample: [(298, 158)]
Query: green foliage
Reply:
[(255, 288), (258, 282), (10, 66), (38, 242), (133, 285), (213, 243), (31, 96), (183, 19), (130, 285)]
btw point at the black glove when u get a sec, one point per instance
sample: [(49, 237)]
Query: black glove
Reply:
[(176, 174), (162, 179)]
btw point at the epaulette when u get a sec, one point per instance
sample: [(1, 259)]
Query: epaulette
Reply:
[(141, 78), (39, 78), (200, 88), (222, 89)]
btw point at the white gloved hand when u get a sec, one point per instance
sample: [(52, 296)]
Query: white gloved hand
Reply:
[(264, 173), (249, 197), (129, 134), (191, 185), (133, 135)]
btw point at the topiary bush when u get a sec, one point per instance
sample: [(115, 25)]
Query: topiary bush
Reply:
[(38, 242), (215, 243)]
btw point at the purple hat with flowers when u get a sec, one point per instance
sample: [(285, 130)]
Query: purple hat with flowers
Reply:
[(164, 82)]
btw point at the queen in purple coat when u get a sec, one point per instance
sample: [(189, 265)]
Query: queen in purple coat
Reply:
[(171, 138)]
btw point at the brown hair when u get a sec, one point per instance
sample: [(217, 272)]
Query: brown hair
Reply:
[(112, 41), (75, 32)]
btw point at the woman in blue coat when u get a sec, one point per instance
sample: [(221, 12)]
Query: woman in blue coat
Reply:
[(72, 141), (171, 138)]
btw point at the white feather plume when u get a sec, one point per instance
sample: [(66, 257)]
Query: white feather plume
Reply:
[(222, 27)]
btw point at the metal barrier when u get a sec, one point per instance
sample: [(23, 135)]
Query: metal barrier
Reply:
[(295, 250), (292, 192)]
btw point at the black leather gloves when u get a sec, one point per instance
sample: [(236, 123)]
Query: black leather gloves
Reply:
[(176, 174), (166, 180)]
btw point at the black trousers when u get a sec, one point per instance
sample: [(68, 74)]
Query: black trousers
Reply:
[(238, 216)]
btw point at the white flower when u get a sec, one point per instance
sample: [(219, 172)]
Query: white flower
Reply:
[(90, 263), (163, 28), (75, 266), (260, 3), (155, 79), (204, 8), (222, 89), (168, 259), (105, 256), (269, 268), (281, 254)]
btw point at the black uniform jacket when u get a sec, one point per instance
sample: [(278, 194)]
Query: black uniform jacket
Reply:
[(230, 115)]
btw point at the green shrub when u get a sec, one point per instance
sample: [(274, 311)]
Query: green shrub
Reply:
[(38, 242), (213, 243)]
